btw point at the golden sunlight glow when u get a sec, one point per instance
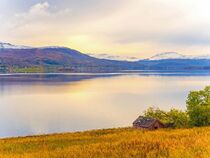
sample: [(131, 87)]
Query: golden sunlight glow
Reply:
[(136, 28)]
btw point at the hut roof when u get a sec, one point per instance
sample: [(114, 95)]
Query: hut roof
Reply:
[(145, 121)]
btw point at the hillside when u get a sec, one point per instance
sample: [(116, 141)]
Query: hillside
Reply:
[(61, 59), (125, 142), (54, 59)]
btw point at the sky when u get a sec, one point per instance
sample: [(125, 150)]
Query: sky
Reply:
[(137, 28)]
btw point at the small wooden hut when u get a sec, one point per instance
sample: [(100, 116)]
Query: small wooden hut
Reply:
[(147, 123)]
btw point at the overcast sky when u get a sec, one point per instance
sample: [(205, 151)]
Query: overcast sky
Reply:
[(137, 28)]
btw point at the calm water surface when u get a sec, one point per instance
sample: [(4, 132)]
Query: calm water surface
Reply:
[(40, 104)]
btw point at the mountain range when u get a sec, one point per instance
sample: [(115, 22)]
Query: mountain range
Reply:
[(160, 56), (174, 55), (14, 58)]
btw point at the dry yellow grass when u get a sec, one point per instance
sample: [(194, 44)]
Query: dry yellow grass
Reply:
[(112, 143)]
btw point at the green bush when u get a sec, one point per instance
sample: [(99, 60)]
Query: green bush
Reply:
[(198, 107), (197, 114), (178, 118)]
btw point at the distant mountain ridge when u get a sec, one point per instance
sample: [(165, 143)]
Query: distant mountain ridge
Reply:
[(113, 57), (15, 58), (10, 46), (174, 55), (53, 59), (160, 56)]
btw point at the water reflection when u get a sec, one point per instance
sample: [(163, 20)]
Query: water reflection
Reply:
[(59, 103)]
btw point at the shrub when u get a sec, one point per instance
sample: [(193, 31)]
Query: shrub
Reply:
[(198, 107), (176, 117)]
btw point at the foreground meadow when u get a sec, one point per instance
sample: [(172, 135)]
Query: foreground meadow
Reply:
[(113, 143)]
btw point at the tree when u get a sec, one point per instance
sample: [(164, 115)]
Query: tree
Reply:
[(156, 113), (198, 107), (177, 118)]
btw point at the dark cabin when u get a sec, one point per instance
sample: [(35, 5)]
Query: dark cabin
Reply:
[(147, 123)]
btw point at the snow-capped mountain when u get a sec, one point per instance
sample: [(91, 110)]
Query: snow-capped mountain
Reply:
[(160, 56), (4, 45), (167, 55), (174, 55), (62, 59), (203, 57), (114, 57), (10, 46)]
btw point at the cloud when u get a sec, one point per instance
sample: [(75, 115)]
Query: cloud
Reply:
[(39, 8), (40, 22), (109, 25), (37, 13), (156, 23), (44, 22)]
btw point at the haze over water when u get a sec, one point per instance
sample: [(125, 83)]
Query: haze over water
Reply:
[(41, 104)]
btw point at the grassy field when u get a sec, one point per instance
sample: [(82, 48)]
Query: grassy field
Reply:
[(112, 143), (28, 70)]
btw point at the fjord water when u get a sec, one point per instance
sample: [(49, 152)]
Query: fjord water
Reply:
[(40, 104)]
